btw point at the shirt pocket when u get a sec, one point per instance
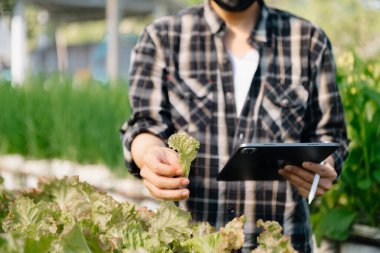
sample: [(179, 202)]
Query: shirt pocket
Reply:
[(284, 108), (192, 103)]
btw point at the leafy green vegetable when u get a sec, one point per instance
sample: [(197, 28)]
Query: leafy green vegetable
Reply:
[(207, 243), (74, 242), (272, 240), (186, 147), (32, 220), (66, 215), (171, 223), (6, 198), (230, 237)]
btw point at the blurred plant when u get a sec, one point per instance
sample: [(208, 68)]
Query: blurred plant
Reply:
[(6, 7), (355, 198), (192, 2), (356, 27), (350, 24), (54, 118)]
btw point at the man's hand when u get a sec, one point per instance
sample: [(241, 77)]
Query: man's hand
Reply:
[(302, 178), (162, 174)]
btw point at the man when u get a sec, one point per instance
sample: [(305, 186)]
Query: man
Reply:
[(230, 72)]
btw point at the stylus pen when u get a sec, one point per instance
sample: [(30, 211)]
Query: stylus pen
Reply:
[(314, 186)]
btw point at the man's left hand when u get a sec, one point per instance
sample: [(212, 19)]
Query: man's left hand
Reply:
[(302, 178)]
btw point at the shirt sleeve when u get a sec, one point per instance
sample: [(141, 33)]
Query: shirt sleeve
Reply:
[(147, 95), (325, 117)]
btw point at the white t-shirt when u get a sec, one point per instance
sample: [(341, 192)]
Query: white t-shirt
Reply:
[(243, 70)]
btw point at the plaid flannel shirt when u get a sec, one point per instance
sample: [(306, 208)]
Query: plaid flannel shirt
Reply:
[(181, 79)]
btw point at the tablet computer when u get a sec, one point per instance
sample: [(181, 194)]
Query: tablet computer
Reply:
[(253, 161)]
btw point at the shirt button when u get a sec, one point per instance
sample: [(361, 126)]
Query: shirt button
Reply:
[(229, 95), (241, 135), (285, 102), (231, 210), (192, 127)]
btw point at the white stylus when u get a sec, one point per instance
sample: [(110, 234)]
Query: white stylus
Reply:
[(314, 186)]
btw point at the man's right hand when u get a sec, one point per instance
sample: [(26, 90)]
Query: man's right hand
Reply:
[(162, 174)]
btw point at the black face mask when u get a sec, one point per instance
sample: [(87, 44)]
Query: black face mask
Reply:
[(234, 5)]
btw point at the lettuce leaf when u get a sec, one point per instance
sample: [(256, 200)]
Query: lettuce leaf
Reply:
[(208, 244), (73, 242), (32, 227), (229, 238), (11, 243), (272, 239), (202, 229), (187, 148), (233, 234), (71, 195), (6, 198), (170, 223), (66, 215), (32, 220)]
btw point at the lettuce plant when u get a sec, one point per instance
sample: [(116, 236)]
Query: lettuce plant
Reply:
[(271, 240), (66, 215)]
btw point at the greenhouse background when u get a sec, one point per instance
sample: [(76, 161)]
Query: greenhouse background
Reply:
[(63, 60)]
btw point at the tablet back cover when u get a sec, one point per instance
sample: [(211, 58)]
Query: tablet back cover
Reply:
[(262, 161)]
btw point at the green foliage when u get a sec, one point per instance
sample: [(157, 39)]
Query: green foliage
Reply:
[(272, 239), (6, 7), (187, 148), (192, 2), (355, 198), (55, 118), (5, 199), (350, 24), (65, 215), (335, 224)]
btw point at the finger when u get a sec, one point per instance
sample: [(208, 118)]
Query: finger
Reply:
[(163, 182), (303, 192), (325, 184), (173, 195), (169, 156), (324, 170), (173, 160), (320, 191), (155, 164), (304, 187), (300, 184), (300, 172)]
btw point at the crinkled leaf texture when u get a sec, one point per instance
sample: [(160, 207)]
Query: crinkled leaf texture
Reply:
[(186, 147), (72, 242), (32, 220), (272, 240), (170, 223), (65, 215), (229, 238)]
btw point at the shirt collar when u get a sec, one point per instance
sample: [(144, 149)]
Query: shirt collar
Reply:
[(260, 33)]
